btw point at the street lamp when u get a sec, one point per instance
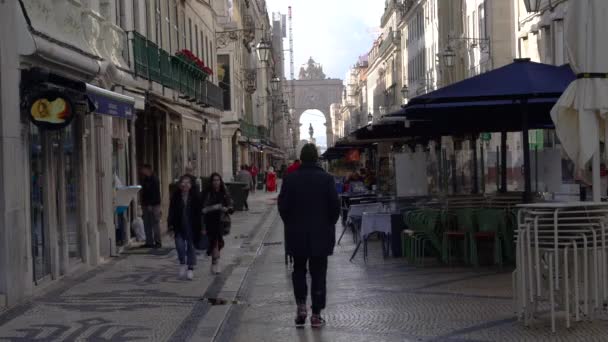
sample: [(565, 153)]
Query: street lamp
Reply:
[(263, 51), (405, 91), (449, 57), (275, 83), (532, 6)]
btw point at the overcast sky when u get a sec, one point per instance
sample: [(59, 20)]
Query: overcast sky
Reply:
[(333, 32)]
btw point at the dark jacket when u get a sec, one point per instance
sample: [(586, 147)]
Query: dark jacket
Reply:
[(310, 208), (150, 191), (210, 198), (176, 206)]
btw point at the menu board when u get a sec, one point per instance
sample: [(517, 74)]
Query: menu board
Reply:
[(411, 174)]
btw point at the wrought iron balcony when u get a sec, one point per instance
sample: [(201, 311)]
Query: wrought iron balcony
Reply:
[(252, 131), (392, 39), (174, 72)]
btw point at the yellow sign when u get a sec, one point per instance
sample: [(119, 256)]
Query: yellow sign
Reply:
[(51, 110)]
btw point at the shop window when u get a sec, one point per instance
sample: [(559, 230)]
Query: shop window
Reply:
[(71, 183)]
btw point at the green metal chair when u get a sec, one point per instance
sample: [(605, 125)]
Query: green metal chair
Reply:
[(464, 223), (423, 225), (491, 225)]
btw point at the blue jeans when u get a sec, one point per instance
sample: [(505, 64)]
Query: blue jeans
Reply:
[(185, 251)]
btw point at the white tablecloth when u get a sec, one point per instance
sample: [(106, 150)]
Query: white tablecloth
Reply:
[(357, 210), (375, 222)]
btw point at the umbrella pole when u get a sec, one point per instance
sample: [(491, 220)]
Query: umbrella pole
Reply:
[(475, 171), (597, 183), (483, 168), (526, 147), (503, 161), (498, 169)]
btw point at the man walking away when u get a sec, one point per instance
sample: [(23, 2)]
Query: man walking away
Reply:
[(150, 202), (309, 206), (245, 176)]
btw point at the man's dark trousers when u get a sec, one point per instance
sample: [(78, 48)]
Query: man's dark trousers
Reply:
[(318, 274)]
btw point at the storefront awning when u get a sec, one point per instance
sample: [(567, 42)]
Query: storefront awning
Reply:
[(190, 118), (111, 103)]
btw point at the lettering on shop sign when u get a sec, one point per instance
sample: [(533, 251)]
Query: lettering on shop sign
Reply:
[(107, 106)]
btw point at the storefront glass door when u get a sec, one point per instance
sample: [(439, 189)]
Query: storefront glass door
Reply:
[(39, 231)]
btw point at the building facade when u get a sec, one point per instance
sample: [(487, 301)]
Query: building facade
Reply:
[(90, 91), (251, 105), (384, 83)]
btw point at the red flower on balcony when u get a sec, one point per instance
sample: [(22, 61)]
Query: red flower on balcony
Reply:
[(192, 58)]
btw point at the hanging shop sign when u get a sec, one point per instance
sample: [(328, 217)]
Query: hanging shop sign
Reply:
[(50, 109)]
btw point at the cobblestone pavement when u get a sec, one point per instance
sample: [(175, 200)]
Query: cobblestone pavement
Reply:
[(138, 297), (388, 300)]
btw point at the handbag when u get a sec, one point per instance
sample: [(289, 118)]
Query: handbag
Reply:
[(226, 223)]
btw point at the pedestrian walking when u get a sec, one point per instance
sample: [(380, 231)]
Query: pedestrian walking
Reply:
[(184, 220), (150, 202), (196, 191), (309, 206), (271, 180), (217, 208), (245, 177), (254, 173)]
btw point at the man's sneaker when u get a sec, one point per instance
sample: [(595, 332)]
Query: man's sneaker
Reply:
[(301, 315), (316, 321), (182, 271), (190, 274)]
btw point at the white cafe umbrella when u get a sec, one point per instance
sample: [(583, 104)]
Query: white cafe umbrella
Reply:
[(580, 113)]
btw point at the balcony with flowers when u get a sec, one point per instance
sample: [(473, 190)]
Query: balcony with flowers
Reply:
[(183, 72)]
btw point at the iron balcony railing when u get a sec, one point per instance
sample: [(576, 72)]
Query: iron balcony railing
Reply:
[(156, 64), (252, 131), (249, 130), (392, 39)]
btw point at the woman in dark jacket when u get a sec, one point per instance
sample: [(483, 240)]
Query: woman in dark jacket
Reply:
[(217, 208), (184, 220)]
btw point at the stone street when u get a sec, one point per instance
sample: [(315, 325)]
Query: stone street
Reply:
[(138, 297)]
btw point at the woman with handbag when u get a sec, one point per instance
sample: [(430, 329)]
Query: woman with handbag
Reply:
[(217, 208)]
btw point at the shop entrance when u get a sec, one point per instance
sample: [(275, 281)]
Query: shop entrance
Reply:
[(54, 199)]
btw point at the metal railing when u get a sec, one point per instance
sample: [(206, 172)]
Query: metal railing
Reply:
[(156, 64), (393, 38)]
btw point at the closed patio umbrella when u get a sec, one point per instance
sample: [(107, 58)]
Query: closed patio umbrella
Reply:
[(580, 113)]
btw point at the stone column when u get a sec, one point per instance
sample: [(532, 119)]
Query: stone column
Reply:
[(227, 150), (15, 234)]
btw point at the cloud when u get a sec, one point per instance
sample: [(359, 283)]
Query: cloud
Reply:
[(333, 32)]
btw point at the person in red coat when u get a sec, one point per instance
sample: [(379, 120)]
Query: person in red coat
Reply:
[(271, 180), (293, 167)]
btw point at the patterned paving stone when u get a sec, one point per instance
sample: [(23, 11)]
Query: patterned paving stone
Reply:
[(137, 298), (389, 300)]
